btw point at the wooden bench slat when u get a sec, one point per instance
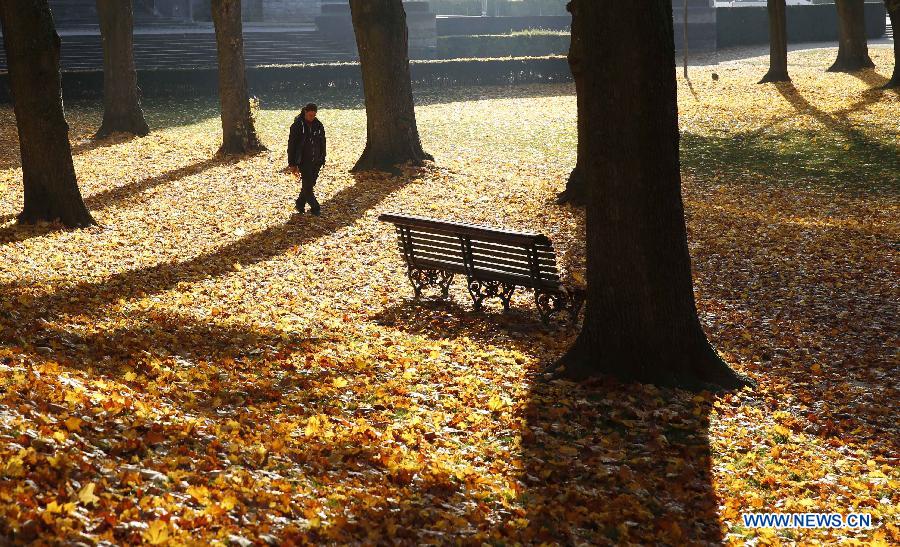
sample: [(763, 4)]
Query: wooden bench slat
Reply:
[(454, 256), (439, 265), (473, 230), (446, 257), (450, 259), (434, 237), (504, 269), (437, 245), (480, 264), (418, 239), (493, 255), (519, 261), (512, 250), (520, 280), (455, 252), (455, 246), (524, 266), (500, 267), (517, 250)]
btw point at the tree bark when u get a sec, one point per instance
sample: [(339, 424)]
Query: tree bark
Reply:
[(392, 137), (575, 187), (893, 9), (641, 321), (122, 111), (853, 50), (32, 52), (778, 47), (238, 131)]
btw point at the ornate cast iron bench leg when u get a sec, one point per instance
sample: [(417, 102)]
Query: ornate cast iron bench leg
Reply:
[(481, 290), (430, 278), (549, 303), (444, 282)]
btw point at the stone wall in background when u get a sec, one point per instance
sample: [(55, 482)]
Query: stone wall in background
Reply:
[(274, 11)]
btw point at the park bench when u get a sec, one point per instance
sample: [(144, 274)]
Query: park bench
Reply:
[(494, 262)]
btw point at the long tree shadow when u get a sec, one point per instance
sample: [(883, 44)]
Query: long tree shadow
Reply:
[(839, 122), (343, 209), (601, 464), (27, 323), (612, 464), (829, 344), (119, 195), (156, 337), (123, 194), (783, 161), (88, 145), (875, 80)]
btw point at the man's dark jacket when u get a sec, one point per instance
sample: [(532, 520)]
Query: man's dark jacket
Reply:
[(306, 145)]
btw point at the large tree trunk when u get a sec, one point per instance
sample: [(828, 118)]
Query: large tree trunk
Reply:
[(32, 52), (778, 50), (853, 50), (392, 137), (641, 321), (575, 187), (238, 132), (121, 98), (893, 7)]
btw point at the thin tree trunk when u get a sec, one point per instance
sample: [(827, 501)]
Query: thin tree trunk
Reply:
[(686, 56), (392, 137), (853, 49), (778, 67), (893, 7), (32, 52), (641, 321), (575, 188), (122, 111), (238, 132)]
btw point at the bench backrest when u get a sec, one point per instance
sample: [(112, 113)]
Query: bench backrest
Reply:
[(480, 252)]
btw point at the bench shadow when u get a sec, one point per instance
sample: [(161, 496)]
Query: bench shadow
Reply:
[(603, 463), (438, 318)]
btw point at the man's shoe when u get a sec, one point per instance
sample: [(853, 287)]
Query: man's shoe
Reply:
[(299, 206), (316, 210)]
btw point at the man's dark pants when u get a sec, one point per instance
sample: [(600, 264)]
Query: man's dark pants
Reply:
[(309, 176)]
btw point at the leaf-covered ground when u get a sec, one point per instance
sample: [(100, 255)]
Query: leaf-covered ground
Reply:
[(206, 367)]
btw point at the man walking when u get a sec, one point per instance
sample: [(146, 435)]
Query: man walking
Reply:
[(306, 155)]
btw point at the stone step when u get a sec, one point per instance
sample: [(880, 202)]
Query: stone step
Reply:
[(198, 49)]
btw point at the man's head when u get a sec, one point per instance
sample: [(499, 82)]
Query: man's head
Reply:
[(309, 111)]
